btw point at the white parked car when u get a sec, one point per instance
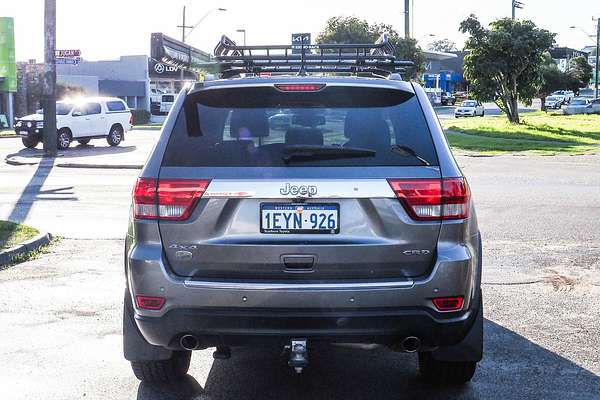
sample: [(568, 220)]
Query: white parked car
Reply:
[(568, 95), (583, 105), (82, 120), (555, 101), (469, 108)]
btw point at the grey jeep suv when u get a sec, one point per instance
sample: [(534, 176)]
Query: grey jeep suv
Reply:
[(344, 219)]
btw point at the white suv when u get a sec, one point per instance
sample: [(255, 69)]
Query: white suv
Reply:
[(81, 120)]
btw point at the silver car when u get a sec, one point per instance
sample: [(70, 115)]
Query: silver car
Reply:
[(352, 225)]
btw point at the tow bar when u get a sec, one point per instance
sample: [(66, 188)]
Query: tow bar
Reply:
[(298, 355)]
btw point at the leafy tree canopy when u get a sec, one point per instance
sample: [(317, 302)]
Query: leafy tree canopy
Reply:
[(580, 72), (445, 45), (356, 30), (504, 63)]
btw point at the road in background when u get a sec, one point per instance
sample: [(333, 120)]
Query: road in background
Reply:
[(539, 216)]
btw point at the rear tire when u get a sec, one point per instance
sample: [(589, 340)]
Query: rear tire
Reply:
[(29, 143), (163, 371), (483, 113), (84, 141), (115, 136), (445, 372)]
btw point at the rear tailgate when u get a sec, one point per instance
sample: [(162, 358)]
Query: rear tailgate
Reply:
[(256, 217)]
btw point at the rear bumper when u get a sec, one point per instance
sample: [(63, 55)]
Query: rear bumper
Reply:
[(226, 327), (244, 312)]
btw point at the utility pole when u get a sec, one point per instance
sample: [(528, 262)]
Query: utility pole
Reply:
[(407, 19), (183, 27), (49, 83), (597, 55), (516, 4)]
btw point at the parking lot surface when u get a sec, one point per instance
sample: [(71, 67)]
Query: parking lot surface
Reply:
[(539, 216)]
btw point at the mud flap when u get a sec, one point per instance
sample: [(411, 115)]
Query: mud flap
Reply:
[(135, 347), (471, 347)]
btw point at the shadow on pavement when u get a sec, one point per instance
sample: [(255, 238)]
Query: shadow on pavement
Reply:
[(513, 368), (33, 192)]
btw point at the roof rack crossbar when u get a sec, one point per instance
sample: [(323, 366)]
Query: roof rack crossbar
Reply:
[(377, 58)]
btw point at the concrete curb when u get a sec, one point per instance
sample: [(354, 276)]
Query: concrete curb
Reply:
[(100, 166), (6, 256), (8, 136), (20, 161)]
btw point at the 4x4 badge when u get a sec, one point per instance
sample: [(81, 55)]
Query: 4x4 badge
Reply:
[(302, 190)]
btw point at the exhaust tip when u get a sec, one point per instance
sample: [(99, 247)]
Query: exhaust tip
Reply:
[(189, 342), (411, 344)]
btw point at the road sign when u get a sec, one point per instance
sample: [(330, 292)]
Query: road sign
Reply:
[(68, 61), (67, 53)]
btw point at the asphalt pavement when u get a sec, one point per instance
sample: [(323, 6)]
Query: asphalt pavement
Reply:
[(61, 313)]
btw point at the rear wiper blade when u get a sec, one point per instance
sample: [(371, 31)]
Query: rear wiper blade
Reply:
[(323, 152), (408, 151)]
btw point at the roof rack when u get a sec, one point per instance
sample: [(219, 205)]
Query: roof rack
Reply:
[(375, 59)]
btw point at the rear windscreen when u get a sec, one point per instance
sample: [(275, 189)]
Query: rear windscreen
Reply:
[(336, 126)]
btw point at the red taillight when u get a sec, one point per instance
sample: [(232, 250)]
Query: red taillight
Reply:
[(433, 199), (169, 199), (446, 304), (144, 199), (304, 87), (150, 303)]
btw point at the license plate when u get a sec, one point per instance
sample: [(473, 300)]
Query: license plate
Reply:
[(299, 218), (23, 133)]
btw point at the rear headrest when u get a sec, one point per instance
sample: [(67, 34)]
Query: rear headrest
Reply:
[(307, 136), (249, 123), (367, 129)]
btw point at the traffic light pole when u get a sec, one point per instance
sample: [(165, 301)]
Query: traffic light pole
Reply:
[(49, 82)]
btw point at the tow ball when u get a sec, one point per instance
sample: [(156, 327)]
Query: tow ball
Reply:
[(298, 355)]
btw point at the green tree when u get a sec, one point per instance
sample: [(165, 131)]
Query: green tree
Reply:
[(444, 45), (580, 72), (504, 63), (552, 79), (356, 30)]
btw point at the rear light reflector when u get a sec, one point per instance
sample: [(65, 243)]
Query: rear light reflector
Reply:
[(446, 304), (167, 199), (433, 199), (150, 303), (305, 87)]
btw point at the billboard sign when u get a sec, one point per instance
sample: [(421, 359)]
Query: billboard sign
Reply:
[(8, 64), (169, 51), (158, 71), (300, 40)]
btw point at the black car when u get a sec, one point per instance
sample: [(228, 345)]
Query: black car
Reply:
[(448, 99)]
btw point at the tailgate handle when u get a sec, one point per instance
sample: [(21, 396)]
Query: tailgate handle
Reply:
[(298, 263)]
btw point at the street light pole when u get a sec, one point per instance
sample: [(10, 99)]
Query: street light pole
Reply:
[(597, 55), (244, 32), (184, 35), (183, 27), (49, 82), (516, 4)]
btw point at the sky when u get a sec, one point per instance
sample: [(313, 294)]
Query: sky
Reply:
[(107, 29)]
